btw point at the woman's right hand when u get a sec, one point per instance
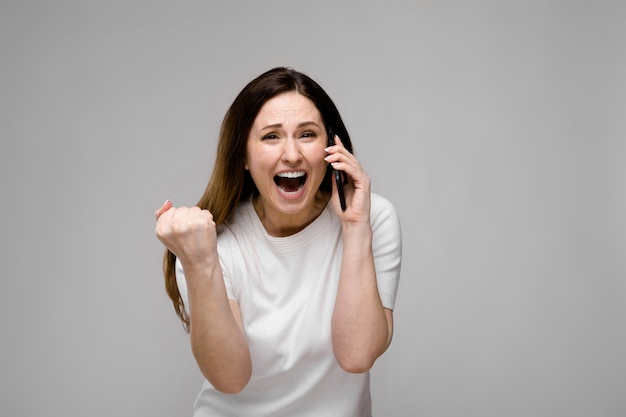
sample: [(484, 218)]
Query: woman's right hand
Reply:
[(188, 232), (218, 341)]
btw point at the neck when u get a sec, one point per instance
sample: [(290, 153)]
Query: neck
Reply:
[(281, 225)]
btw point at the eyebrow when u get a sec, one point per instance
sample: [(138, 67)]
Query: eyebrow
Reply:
[(277, 125)]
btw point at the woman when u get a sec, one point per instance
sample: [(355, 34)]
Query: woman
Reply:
[(288, 298)]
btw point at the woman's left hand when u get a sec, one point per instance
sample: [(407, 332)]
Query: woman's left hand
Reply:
[(356, 189)]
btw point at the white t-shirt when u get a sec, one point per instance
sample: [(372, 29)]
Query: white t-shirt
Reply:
[(286, 289)]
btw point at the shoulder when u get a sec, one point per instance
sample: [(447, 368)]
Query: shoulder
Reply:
[(382, 210), (233, 234), (240, 221), (380, 202), (385, 222)]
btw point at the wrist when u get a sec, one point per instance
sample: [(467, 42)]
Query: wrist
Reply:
[(198, 268), (357, 231)]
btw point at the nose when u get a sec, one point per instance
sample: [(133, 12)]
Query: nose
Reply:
[(291, 151)]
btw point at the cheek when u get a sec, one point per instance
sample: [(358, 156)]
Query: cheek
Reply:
[(320, 157), (315, 152), (259, 163), (321, 167)]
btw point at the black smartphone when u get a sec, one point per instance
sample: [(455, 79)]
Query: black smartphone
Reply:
[(338, 175)]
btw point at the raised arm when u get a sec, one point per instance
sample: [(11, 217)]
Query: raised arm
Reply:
[(217, 339), (361, 327)]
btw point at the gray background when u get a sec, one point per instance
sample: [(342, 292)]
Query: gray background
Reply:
[(495, 127)]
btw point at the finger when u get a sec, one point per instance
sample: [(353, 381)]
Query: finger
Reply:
[(338, 155), (345, 162), (196, 213), (165, 207), (204, 216), (336, 146)]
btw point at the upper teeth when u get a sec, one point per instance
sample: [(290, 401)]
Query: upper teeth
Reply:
[(292, 174)]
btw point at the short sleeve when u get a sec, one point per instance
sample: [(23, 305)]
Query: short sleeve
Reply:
[(387, 248)]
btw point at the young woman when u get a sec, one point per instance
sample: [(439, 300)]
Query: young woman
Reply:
[(287, 297)]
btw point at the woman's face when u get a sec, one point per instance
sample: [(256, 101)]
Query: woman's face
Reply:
[(285, 156)]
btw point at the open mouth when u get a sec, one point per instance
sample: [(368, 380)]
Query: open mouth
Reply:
[(290, 182)]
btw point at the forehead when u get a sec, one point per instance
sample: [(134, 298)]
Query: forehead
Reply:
[(287, 106)]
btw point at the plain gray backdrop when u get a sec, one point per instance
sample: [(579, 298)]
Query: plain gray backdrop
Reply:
[(495, 127)]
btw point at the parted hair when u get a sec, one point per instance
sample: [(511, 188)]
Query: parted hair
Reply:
[(230, 183)]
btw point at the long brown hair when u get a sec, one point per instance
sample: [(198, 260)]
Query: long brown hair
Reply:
[(230, 182)]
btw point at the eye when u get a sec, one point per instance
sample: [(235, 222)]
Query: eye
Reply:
[(270, 136), (308, 134)]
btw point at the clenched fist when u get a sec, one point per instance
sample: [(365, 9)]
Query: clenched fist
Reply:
[(188, 232)]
